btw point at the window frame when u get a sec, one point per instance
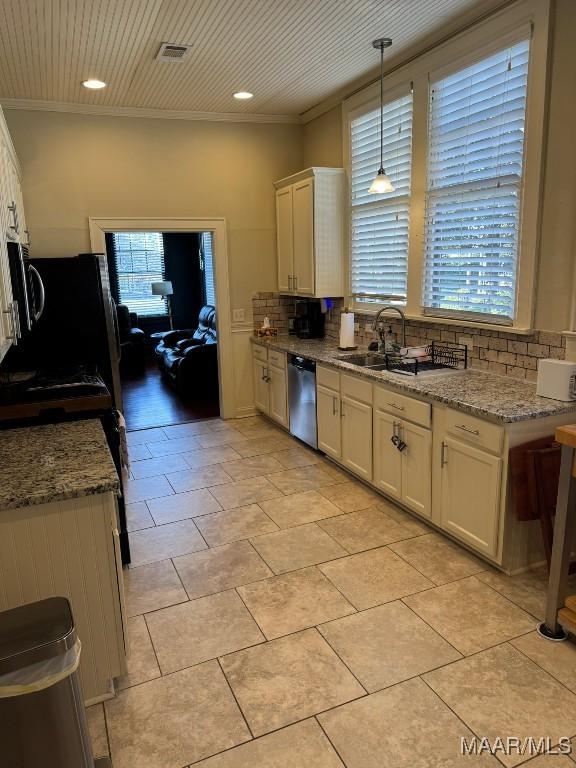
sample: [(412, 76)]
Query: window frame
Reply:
[(118, 274), (528, 18)]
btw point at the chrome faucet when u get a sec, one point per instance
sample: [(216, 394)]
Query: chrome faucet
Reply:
[(377, 324)]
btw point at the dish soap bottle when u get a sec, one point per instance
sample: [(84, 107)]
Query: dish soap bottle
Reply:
[(390, 344)]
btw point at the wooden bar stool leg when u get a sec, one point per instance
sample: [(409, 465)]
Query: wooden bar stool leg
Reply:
[(564, 530)]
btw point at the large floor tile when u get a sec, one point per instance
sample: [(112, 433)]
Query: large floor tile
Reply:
[(438, 558), (559, 659), (298, 547), (256, 431), (147, 488), (214, 439), (303, 745), (244, 492), (470, 615), (160, 466), (140, 436), (192, 428), (387, 644), (287, 680), (138, 516), (138, 452), (222, 568), (291, 458), (294, 601), (202, 629), (142, 664), (260, 446), (410, 521), (255, 466), (181, 506), (234, 524), (299, 508), (499, 693), (169, 447), (153, 586), (193, 479), (374, 577), (165, 541), (350, 496), (551, 761), (405, 726), (365, 529), (97, 730), (175, 720), (302, 479), (528, 590), (206, 457)]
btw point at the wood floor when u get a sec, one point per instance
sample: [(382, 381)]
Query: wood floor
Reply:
[(150, 402)]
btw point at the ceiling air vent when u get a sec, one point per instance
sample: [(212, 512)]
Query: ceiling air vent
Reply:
[(173, 52)]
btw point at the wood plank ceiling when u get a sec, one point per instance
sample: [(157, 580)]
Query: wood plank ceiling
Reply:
[(290, 53)]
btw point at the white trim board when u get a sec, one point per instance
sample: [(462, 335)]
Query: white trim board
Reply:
[(163, 114), (99, 227)]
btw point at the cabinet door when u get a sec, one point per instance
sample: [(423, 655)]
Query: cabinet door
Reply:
[(284, 239), (387, 458), (303, 213), (357, 437), (278, 395), (328, 418), (417, 468), (6, 315), (470, 496), (261, 388)]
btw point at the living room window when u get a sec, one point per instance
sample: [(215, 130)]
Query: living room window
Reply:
[(139, 261), (208, 268), (379, 242)]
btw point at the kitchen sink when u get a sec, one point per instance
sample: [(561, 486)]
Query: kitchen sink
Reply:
[(365, 361)]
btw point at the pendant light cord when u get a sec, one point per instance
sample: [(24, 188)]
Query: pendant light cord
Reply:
[(381, 106)]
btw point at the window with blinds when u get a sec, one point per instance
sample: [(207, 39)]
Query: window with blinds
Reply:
[(208, 268), (379, 246), (475, 157), (139, 258)]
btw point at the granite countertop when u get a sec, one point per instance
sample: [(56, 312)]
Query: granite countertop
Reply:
[(54, 462), (488, 395)]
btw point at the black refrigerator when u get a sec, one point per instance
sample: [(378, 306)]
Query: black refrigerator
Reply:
[(73, 343)]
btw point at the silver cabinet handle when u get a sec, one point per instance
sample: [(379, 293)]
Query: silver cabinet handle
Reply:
[(27, 233), (398, 407), (443, 459), (342, 414), (16, 313), (464, 428), (13, 336), (395, 429), (14, 212), (295, 282), (289, 282), (334, 410)]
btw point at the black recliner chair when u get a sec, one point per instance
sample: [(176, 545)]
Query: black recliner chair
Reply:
[(188, 358), (132, 340)]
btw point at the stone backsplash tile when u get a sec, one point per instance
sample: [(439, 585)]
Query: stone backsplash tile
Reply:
[(503, 352)]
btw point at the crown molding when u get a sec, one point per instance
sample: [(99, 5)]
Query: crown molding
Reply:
[(163, 114)]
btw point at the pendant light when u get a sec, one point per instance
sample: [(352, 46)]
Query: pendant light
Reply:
[(381, 183)]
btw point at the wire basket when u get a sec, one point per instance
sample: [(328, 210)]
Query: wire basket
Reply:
[(438, 355)]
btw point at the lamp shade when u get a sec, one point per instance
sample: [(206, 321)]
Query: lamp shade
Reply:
[(381, 184), (162, 288)]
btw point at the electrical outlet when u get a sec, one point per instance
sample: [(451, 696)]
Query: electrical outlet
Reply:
[(238, 315), (468, 342)]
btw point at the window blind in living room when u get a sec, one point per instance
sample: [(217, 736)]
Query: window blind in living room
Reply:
[(139, 260)]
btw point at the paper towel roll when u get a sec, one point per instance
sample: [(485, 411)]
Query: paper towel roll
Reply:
[(347, 329)]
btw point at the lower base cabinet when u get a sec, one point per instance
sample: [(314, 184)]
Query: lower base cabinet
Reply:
[(328, 419), (261, 389), (470, 495), (278, 395), (357, 437)]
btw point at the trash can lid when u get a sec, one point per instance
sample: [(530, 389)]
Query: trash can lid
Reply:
[(35, 632)]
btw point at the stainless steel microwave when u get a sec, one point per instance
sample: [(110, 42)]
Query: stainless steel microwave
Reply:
[(27, 288)]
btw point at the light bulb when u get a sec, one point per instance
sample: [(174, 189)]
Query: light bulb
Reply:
[(381, 184)]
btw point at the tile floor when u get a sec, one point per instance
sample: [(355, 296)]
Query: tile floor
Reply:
[(284, 615)]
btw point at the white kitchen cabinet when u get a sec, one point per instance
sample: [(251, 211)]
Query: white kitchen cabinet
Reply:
[(328, 418), (357, 437), (310, 210), (270, 383), (470, 494), (387, 458)]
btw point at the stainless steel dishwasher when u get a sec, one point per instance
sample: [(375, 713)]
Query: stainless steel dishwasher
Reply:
[(302, 399)]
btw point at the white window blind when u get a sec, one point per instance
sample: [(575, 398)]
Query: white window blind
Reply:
[(476, 147), (379, 247), (139, 259), (208, 268)]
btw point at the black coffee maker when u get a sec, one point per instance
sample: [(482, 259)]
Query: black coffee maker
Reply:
[(309, 319)]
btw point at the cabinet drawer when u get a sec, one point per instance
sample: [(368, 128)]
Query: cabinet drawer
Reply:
[(260, 353), (277, 358), (327, 377), (400, 405), (356, 388), (475, 431)]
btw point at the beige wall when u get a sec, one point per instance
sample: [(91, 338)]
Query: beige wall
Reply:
[(323, 146), (76, 166)]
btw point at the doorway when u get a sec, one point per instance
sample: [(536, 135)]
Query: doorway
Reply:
[(153, 398)]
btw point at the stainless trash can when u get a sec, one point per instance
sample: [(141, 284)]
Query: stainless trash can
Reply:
[(42, 716)]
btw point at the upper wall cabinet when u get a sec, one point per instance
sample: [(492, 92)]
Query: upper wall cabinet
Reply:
[(310, 233)]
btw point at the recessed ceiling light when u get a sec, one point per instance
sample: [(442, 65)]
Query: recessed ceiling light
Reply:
[(243, 95), (94, 84)]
